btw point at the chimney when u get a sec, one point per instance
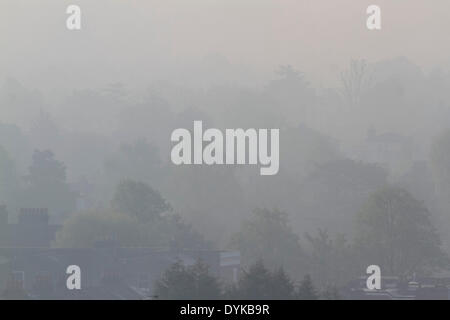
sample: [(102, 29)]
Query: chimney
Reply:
[(33, 216)]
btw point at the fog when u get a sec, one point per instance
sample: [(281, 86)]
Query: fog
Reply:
[(86, 119), (138, 41)]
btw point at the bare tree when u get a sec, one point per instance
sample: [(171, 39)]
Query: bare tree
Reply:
[(355, 81)]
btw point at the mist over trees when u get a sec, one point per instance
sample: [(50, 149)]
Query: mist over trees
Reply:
[(364, 174), (256, 283)]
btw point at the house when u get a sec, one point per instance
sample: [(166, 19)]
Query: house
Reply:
[(31, 230), (29, 262), (105, 271)]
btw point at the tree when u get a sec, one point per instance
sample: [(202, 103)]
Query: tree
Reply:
[(332, 259), (45, 169), (395, 232), (206, 285), (176, 283), (268, 236), (100, 227), (139, 200), (440, 159), (282, 286), (292, 93), (254, 283), (16, 143), (172, 231), (44, 132), (440, 165), (330, 293), (46, 185), (193, 283), (258, 283), (440, 168), (306, 290), (356, 80), (93, 228)]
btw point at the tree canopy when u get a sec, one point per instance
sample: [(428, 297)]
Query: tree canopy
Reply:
[(395, 232), (139, 200)]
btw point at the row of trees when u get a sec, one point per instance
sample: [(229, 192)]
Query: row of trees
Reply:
[(392, 230), (257, 282)]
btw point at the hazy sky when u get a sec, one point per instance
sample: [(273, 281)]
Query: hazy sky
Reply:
[(137, 40)]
